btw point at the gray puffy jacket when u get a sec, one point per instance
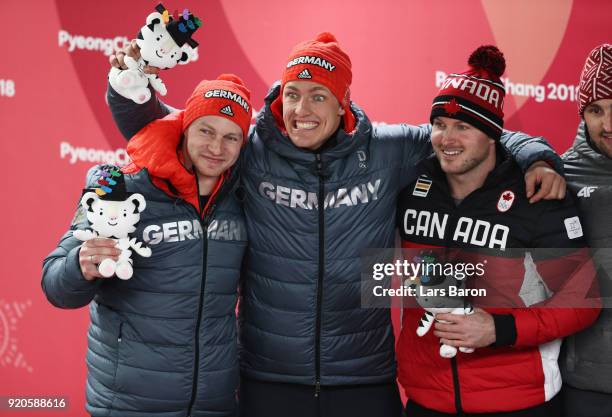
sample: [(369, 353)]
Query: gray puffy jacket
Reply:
[(587, 360), (162, 343), (309, 217)]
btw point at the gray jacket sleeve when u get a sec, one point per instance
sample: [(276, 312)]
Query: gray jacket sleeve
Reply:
[(62, 280), (529, 149), (131, 117), (413, 142)]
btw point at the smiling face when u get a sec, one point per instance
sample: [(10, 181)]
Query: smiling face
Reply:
[(598, 118), (311, 113), (460, 147), (212, 145)]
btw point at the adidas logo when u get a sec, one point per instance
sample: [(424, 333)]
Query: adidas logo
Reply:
[(304, 74), (227, 110)]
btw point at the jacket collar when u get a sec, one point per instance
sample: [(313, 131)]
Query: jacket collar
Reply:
[(584, 146)]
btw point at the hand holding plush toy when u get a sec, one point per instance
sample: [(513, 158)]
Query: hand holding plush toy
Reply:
[(164, 42), (113, 213), (427, 286)]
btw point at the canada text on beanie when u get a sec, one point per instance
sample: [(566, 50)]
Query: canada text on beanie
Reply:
[(475, 96)]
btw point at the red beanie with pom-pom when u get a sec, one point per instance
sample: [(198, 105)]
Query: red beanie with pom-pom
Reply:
[(475, 96), (321, 61), (227, 96)]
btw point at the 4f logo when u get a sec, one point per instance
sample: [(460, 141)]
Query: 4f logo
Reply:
[(361, 156), (585, 192)]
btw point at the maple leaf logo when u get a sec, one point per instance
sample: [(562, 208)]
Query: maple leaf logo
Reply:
[(507, 196), (452, 107)]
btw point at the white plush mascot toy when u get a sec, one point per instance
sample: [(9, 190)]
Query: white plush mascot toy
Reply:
[(432, 283), (113, 213), (164, 41)]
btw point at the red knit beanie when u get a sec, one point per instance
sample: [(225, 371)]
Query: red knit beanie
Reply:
[(227, 96), (477, 95), (596, 78), (321, 61)]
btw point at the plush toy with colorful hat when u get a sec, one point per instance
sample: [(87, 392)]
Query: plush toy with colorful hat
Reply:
[(164, 41), (113, 214)]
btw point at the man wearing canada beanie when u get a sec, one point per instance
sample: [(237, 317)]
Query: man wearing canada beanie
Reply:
[(472, 179), (321, 185), (587, 359), (164, 343)]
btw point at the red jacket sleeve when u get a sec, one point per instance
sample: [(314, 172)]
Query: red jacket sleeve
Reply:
[(570, 275)]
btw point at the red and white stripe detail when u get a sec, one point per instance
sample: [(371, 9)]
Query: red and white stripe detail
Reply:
[(596, 79)]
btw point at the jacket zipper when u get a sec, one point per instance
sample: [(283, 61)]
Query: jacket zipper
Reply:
[(454, 367), (453, 361), (120, 335), (203, 217), (321, 207), (455, 371)]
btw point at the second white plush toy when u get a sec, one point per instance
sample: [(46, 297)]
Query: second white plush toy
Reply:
[(113, 213), (164, 41)]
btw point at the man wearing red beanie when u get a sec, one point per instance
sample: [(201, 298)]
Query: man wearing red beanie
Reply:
[(320, 186), (586, 362), (164, 343)]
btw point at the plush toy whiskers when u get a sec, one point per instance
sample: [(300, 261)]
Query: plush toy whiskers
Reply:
[(113, 213)]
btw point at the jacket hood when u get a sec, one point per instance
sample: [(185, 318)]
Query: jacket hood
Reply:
[(155, 147)]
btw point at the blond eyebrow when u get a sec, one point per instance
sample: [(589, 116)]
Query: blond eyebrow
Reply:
[(202, 124), (315, 88)]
